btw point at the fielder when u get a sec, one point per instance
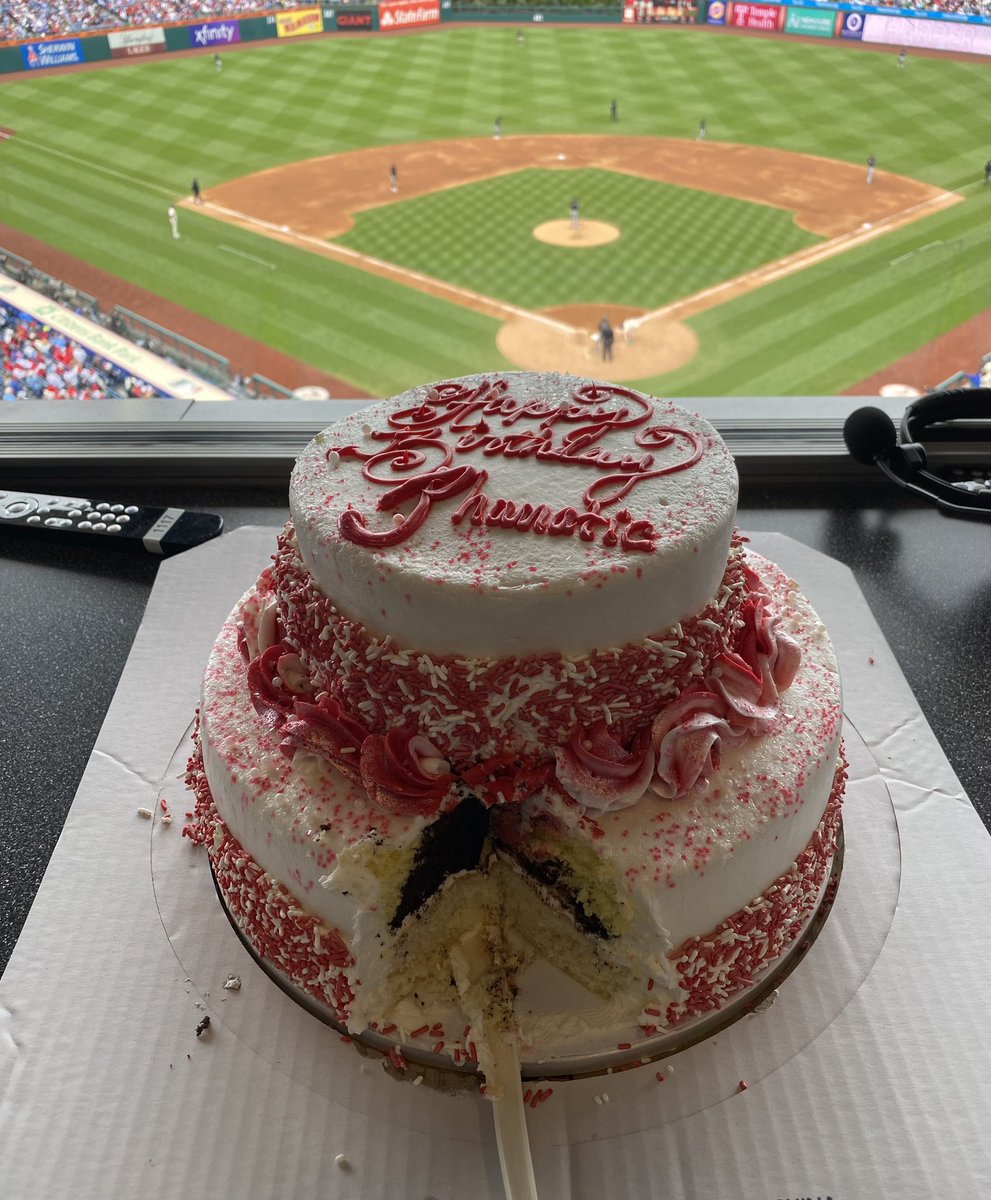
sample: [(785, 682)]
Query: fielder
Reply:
[(871, 164), (174, 221)]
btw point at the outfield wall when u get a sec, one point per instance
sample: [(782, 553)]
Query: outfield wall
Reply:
[(811, 18)]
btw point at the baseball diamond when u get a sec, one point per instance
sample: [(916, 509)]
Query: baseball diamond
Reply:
[(359, 217)]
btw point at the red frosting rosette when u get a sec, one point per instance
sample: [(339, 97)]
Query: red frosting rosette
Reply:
[(324, 728), (596, 770), (275, 679), (404, 773), (502, 779)]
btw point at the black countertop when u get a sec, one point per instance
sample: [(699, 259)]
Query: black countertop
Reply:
[(70, 613)]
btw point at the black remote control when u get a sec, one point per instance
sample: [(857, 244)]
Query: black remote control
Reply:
[(157, 530)]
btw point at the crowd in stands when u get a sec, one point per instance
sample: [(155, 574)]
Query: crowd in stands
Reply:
[(967, 8), (39, 363), (25, 20)]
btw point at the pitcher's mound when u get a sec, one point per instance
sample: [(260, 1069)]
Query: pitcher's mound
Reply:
[(588, 233), (566, 340)]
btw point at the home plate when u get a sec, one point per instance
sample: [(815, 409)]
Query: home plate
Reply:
[(284, 228), (867, 225)]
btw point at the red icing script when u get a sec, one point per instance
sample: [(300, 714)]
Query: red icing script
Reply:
[(418, 463)]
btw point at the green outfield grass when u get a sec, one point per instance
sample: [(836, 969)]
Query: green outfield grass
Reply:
[(99, 155)]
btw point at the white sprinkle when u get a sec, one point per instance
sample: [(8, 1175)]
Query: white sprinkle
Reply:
[(146, 813), (333, 458)]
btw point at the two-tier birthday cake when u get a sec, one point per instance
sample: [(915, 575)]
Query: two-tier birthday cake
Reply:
[(514, 689)]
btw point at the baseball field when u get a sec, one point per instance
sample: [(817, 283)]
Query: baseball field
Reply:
[(758, 261)]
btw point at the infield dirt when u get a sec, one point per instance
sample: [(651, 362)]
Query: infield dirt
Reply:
[(310, 202)]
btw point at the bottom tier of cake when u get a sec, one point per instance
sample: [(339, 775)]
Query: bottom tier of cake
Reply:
[(493, 944)]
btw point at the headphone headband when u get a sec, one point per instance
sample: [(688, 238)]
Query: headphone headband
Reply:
[(938, 407)]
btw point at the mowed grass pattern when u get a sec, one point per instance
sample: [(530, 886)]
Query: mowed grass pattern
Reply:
[(480, 236), (99, 155)]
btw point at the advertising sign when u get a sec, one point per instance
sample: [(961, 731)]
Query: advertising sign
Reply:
[(756, 16), (408, 14), (355, 18), (299, 22), (927, 35), (717, 13), (131, 43), (852, 26), (38, 55), (809, 23), (215, 33)]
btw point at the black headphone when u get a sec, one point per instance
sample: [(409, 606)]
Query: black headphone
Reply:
[(871, 438)]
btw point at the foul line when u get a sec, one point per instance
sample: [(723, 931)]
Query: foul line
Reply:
[(242, 254), (96, 166), (799, 261)]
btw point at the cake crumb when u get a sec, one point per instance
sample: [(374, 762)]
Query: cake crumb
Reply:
[(766, 1003), (342, 1162), (146, 813), (203, 1026), (232, 983), (744, 1085)]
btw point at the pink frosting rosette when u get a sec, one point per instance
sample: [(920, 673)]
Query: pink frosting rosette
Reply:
[(324, 728), (595, 769), (763, 644), (259, 626), (404, 773), (688, 737), (752, 702)]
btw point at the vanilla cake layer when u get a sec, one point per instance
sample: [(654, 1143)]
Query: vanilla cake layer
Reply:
[(490, 517), (654, 875)]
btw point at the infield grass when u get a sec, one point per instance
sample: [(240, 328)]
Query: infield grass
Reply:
[(99, 155), (480, 236)]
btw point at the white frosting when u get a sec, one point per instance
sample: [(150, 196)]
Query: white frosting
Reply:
[(478, 590)]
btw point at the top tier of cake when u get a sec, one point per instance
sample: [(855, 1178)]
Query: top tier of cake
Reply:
[(418, 515)]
